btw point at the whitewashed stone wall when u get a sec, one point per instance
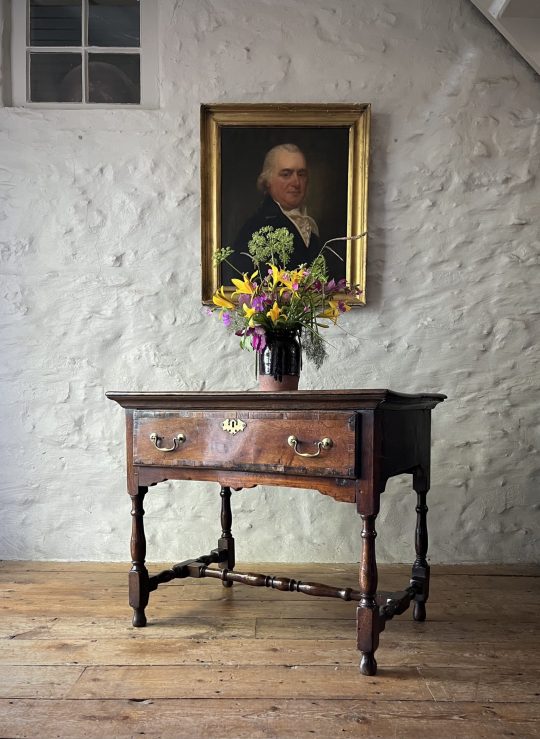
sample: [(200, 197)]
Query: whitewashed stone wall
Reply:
[(100, 282)]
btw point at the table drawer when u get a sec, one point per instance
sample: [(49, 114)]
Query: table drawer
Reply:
[(248, 440)]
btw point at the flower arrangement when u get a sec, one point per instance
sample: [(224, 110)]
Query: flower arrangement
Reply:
[(277, 298)]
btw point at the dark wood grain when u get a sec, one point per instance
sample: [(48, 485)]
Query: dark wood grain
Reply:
[(293, 400), (340, 488), (261, 447)]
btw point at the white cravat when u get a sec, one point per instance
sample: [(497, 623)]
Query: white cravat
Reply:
[(304, 223)]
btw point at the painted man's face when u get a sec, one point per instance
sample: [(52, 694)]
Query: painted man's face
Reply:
[(288, 183)]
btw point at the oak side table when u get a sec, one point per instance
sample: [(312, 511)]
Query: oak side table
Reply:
[(343, 443)]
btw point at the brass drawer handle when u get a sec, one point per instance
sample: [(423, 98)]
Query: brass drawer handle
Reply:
[(325, 443), (178, 439)]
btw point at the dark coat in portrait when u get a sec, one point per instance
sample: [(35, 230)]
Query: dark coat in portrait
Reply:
[(269, 214)]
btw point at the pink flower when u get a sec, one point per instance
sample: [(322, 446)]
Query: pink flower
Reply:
[(258, 338)]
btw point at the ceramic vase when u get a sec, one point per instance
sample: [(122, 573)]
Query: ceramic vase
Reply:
[(280, 361)]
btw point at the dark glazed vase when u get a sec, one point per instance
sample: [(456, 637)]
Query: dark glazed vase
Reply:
[(280, 361)]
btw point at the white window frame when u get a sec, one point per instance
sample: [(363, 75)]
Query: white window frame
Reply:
[(148, 51)]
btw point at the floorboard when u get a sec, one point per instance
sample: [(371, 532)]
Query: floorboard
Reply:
[(249, 662)]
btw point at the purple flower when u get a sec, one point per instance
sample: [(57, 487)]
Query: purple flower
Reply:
[(342, 307), (243, 298), (226, 318), (258, 303)]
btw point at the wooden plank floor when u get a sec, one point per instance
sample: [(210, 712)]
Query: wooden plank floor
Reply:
[(247, 662)]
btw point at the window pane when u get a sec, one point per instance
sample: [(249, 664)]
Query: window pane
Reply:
[(55, 23), (114, 23), (114, 78), (55, 78)]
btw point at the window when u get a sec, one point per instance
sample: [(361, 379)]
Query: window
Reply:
[(79, 53)]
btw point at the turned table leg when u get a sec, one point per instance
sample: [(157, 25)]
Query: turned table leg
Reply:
[(138, 575), (420, 569), (367, 613), (226, 541)]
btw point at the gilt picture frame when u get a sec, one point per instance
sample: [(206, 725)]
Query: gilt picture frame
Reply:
[(334, 138)]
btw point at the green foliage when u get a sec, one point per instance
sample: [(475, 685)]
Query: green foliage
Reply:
[(222, 255), (318, 268), (313, 345), (271, 245)]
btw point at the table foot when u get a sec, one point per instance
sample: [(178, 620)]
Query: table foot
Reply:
[(138, 575), (226, 541), (368, 664), (368, 624), (139, 617), (420, 569)]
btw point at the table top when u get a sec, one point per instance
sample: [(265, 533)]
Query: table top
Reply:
[(364, 399)]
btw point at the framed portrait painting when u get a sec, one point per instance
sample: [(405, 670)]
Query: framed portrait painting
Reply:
[(301, 166)]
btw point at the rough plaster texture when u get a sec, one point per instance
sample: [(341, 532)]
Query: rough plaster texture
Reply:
[(100, 282)]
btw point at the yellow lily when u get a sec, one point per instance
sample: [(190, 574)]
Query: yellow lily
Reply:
[(244, 287), (277, 275), (274, 313), (331, 312), (249, 314), (222, 301), (291, 283)]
